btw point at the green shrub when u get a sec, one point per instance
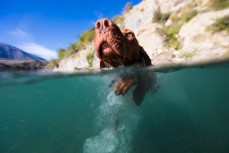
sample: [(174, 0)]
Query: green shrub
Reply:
[(172, 30), (61, 52), (128, 7), (173, 42), (220, 25), (89, 58), (160, 17), (142, 9), (185, 17), (170, 33), (72, 47), (86, 37), (188, 15), (52, 64), (118, 19), (218, 4), (188, 55)]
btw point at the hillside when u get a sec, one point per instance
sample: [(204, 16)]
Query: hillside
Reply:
[(175, 31), (12, 53), (12, 58)]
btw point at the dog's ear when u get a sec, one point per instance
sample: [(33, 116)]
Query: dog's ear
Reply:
[(103, 65), (144, 58)]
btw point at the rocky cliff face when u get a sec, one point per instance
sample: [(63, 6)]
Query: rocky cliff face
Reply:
[(171, 32)]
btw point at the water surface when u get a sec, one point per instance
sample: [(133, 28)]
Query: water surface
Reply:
[(75, 113)]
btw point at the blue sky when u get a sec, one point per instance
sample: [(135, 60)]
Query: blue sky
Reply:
[(42, 26)]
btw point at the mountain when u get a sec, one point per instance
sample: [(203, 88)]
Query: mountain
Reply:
[(171, 32), (9, 52), (12, 58)]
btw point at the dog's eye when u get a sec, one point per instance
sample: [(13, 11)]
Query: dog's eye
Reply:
[(128, 34)]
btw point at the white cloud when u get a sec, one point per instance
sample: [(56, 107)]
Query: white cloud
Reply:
[(26, 43), (18, 33), (38, 50)]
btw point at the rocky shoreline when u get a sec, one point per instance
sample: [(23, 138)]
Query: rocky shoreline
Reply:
[(24, 65)]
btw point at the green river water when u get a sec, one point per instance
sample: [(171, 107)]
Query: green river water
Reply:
[(74, 113)]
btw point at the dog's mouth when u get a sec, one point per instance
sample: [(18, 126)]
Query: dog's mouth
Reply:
[(107, 51)]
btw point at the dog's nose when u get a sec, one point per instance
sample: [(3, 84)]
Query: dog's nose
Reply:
[(102, 24)]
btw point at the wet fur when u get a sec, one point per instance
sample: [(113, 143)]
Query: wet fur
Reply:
[(124, 51)]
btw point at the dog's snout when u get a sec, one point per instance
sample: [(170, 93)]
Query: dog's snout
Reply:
[(103, 24), (98, 24)]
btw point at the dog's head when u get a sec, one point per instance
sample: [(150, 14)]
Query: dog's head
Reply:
[(115, 47)]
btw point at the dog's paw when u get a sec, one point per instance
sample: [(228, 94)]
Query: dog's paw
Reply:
[(124, 85)]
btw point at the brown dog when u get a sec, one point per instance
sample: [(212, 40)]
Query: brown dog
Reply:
[(115, 48)]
